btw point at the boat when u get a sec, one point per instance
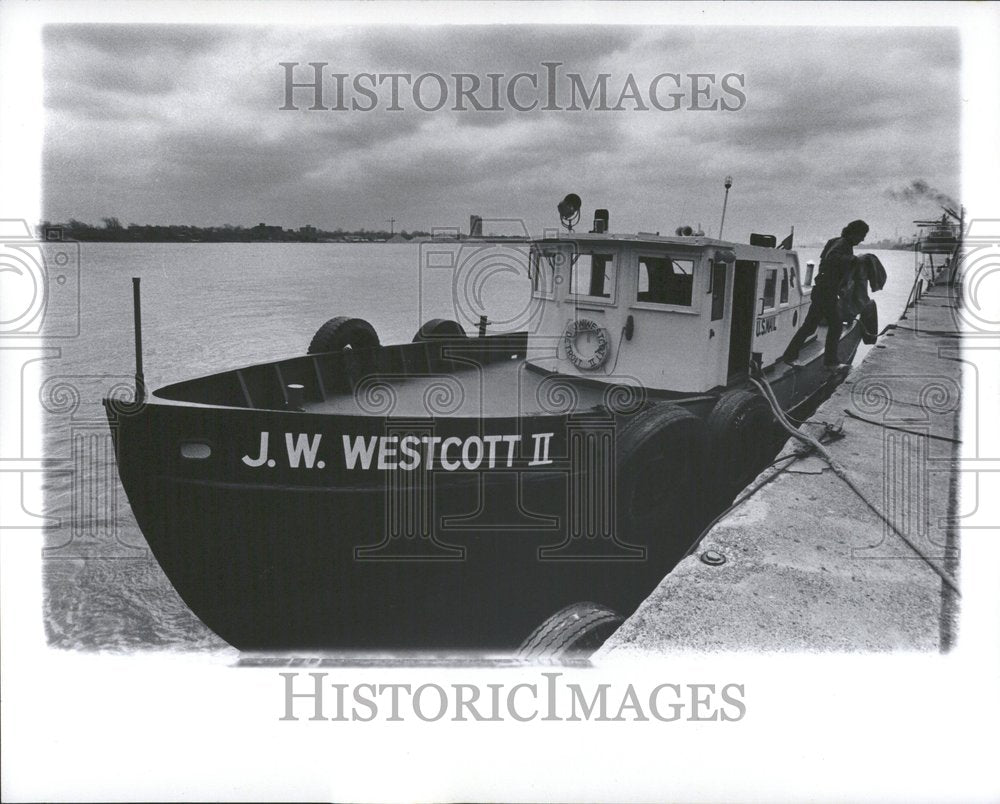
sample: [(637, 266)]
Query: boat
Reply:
[(454, 491), (941, 235)]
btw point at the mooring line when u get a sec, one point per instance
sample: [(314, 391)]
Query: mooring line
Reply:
[(746, 496), (938, 332), (901, 429), (765, 389)]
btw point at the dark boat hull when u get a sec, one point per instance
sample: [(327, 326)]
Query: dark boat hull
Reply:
[(286, 557), (440, 559)]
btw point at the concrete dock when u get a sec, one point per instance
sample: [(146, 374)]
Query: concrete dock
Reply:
[(807, 565)]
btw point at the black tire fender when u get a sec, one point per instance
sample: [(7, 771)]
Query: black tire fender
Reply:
[(659, 470), (579, 629), (741, 437), (342, 333), (439, 329)]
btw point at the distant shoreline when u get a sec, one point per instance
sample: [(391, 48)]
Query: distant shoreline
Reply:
[(220, 242), (419, 240), (114, 232)]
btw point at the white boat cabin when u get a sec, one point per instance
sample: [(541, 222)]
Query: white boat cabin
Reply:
[(683, 314)]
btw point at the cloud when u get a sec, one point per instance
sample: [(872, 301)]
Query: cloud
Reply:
[(182, 123), (137, 41)]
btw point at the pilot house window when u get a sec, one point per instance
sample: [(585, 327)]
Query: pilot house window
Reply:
[(663, 280), (593, 275), (770, 281), (542, 268)]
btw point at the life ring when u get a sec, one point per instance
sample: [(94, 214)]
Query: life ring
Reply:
[(741, 439), (342, 333), (579, 629), (597, 338), (439, 329), (659, 469)]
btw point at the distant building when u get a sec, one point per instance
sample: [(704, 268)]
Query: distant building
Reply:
[(48, 231), (264, 232)]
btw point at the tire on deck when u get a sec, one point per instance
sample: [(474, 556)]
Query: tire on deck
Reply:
[(577, 630), (342, 333), (660, 497), (439, 329), (742, 436)]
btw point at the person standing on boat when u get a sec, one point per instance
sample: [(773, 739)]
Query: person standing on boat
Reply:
[(836, 264)]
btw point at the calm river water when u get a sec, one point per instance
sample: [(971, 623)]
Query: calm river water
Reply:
[(207, 308)]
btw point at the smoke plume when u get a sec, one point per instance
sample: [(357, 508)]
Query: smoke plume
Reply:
[(918, 190)]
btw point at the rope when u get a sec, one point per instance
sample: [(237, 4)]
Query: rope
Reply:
[(910, 299), (746, 496), (943, 333), (765, 388), (901, 429), (618, 351)]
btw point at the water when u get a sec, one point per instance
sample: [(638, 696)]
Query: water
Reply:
[(207, 308)]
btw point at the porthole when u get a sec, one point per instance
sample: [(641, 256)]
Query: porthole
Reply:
[(195, 450)]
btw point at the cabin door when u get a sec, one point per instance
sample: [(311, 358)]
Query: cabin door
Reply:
[(741, 322)]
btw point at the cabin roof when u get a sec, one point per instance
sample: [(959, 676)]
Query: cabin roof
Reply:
[(693, 242)]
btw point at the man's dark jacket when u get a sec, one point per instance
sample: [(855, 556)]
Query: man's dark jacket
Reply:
[(835, 265)]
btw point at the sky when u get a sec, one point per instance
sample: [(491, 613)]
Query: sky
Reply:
[(182, 124)]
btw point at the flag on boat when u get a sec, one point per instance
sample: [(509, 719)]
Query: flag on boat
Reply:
[(787, 242)]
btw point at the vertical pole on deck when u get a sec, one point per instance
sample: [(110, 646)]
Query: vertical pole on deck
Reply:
[(959, 252), (727, 184), (140, 382)]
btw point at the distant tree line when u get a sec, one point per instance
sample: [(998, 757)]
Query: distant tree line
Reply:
[(885, 244), (898, 244), (112, 230)]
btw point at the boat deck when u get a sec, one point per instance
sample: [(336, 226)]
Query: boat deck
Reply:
[(483, 379), (510, 388)]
